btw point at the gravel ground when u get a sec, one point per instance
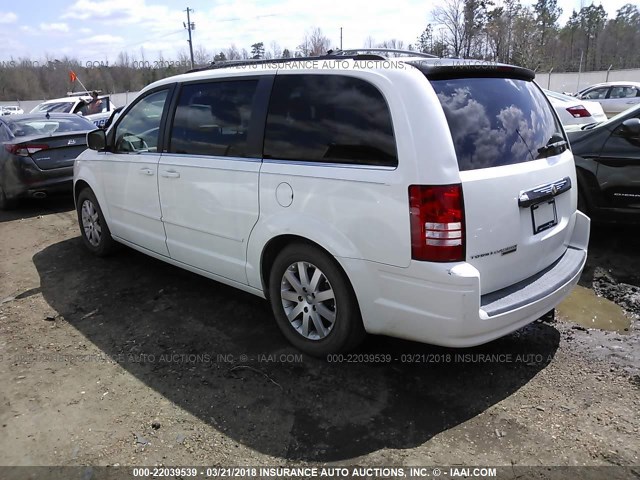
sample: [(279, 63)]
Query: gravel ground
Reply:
[(129, 361)]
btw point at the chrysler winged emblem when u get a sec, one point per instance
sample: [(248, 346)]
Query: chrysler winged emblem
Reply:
[(71, 142)]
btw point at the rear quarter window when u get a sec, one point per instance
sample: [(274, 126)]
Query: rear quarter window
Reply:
[(496, 121), (329, 119)]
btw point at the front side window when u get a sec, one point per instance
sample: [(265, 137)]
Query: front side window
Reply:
[(497, 121), (596, 94), (213, 119), (139, 128), (329, 119)]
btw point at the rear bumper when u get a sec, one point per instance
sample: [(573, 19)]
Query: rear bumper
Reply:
[(441, 303), (23, 178)]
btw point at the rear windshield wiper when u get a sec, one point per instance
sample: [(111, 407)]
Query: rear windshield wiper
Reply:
[(556, 145)]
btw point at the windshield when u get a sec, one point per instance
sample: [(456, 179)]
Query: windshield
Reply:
[(43, 126), (59, 107), (497, 121)]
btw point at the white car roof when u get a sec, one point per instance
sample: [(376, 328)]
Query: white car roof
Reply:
[(619, 83), (63, 100), (72, 99)]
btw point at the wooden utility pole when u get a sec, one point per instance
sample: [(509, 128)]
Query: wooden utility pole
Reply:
[(190, 26)]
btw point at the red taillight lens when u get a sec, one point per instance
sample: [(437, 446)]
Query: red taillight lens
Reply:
[(12, 148), (578, 111), (437, 223), (25, 149)]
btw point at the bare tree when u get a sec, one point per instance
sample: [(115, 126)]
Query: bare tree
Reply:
[(314, 43), (232, 53), (201, 56), (184, 58), (304, 49), (451, 16), (143, 62), (320, 43), (123, 59), (393, 44), (276, 51)]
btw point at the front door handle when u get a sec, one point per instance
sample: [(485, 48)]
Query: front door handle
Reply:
[(146, 171), (170, 174)]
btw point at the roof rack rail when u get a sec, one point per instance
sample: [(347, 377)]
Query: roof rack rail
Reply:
[(353, 51), (231, 63), (262, 61)]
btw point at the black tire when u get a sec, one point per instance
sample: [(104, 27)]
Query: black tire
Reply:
[(101, 245), (345, 333), (6, 203)]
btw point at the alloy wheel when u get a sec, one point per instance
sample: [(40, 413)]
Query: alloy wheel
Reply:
[(308, 300), (91, 223)]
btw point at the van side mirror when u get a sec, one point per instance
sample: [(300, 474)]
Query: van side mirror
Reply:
[(631, 128), (97, 140)]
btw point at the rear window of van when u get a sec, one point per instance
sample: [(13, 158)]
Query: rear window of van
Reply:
[(497, 121)]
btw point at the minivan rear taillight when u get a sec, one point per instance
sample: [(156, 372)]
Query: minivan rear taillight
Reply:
[(437, 223)]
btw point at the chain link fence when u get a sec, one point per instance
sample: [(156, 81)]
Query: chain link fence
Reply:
[(574, 81)]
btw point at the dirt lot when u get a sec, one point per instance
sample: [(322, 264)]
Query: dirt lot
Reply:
[(127, 360)]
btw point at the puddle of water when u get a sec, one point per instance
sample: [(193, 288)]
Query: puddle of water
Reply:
[(584, 307)]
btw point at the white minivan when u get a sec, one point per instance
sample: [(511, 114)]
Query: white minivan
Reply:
[(426, 199)]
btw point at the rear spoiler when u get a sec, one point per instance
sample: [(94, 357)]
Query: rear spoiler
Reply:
[(444, 69)]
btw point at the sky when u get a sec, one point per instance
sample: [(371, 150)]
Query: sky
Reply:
[(97, 30)]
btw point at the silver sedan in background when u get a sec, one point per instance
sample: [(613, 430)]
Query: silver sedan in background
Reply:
[(615, 97)]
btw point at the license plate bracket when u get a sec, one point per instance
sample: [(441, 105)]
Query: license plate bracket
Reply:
[(544, 216)]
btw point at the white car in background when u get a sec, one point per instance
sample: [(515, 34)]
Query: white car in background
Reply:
[(615, 97), (78, 102), (11, 110), (575, 112)]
